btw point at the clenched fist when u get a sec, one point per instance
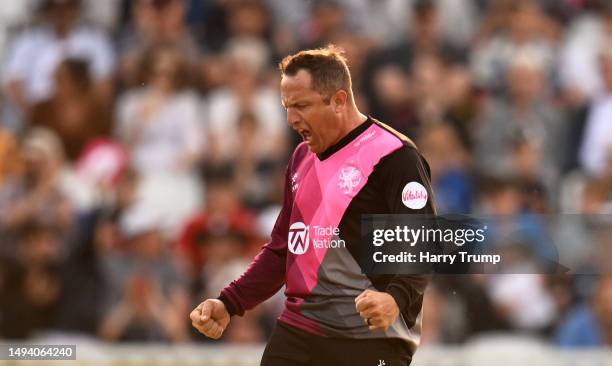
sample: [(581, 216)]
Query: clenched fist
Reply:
[(378, 309), (210, 318)]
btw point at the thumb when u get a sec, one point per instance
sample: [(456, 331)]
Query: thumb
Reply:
[(206, 310)]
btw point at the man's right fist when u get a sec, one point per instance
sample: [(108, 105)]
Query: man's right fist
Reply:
[(210, 318)]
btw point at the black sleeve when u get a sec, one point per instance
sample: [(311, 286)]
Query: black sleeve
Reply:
[(406, 167)]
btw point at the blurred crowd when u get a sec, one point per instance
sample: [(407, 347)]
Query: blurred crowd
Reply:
[(143, 148)]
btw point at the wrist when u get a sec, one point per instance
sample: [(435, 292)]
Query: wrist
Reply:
[(398, 296), (229, 307)]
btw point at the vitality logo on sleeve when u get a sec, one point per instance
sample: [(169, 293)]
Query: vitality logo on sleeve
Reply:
[(414, 195)]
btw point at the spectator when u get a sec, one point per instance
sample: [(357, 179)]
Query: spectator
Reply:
[(246, 94), (161, 123), (424, 42), (106, 235), (249, 19), (392, 101), (520, 136), (505, 204), (95, 236), (521, 294), (73, 112), (224, 212), (30, 297), (155, 23), (427, 74), (40, 193), (524, 300), (163, 128), (450, 168), (590, 325), (427, 37), (463, 104), (148, 294), (522, 27), (327, 18), (227, 19), (382, 22), (36, 53)]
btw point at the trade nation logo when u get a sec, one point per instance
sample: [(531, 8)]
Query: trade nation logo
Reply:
[(299, 237)]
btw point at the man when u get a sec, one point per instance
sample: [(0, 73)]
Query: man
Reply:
[(36, 53), (348, 165)]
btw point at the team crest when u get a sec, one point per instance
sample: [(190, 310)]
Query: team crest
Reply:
[(349, 179)]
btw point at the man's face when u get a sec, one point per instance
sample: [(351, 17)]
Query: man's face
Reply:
[(308, 113)]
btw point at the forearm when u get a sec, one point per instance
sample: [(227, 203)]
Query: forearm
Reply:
[(266, 274), (406, 290), (264, 277)]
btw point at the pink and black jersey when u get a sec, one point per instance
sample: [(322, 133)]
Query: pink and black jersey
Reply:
[(315, 243)]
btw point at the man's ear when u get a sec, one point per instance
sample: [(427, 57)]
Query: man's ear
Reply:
[(339, 100)]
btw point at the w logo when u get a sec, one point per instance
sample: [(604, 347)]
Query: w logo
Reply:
[(299, 236)]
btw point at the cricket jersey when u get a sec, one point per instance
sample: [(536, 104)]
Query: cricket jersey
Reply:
[(315, 242)]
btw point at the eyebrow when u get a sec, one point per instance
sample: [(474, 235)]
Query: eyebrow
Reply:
[(293, 104)]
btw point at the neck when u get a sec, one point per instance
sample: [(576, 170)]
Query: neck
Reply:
[(349, 125), (352, 119)]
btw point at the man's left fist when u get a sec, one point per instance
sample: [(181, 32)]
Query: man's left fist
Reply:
[(378, 309)]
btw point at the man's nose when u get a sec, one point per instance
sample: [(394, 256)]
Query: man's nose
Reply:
[(292, 117)]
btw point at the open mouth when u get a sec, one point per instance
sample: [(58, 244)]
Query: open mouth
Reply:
[(305, 135)]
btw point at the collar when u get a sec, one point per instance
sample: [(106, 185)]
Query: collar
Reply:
[(346, 139)]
